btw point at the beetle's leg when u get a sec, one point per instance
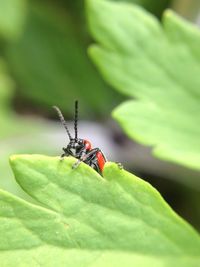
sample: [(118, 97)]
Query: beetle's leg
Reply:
[(81, 157), (62, 156), (65, 154), (85, 156), (95, 166), (76, 164)]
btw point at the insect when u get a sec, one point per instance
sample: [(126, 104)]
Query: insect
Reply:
[(81, 148)]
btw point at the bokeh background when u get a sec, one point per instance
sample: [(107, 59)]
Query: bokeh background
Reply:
[(44, 62)]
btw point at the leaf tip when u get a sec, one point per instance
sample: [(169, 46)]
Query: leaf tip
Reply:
[(93, 52), (12, 158), (168, 13), (114, 113), (171, 17)]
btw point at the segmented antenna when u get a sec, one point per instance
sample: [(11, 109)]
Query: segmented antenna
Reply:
[(76, 119), (62, 121)]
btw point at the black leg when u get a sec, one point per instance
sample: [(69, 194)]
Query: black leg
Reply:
[(64, 155), (95, 166), (81, 158), (85, 156)]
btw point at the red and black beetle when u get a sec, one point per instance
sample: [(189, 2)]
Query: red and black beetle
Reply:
[(81, 148)]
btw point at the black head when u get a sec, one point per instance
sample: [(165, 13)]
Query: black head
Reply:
[(75, 144), (75, 147)]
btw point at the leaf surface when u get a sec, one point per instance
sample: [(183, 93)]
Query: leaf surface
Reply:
[(88, 220)]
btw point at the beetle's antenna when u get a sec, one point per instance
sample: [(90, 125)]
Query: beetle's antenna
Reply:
[(76, 120), (62, 121)]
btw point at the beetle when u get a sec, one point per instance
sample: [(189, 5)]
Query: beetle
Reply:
[(81, 148)]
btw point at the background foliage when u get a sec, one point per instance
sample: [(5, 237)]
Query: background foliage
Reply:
[(157, 73)]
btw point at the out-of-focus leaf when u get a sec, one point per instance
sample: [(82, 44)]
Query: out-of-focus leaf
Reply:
[(12, 16), (17, 134), (51, 64), (6, 88), (155, 7), (10, 123), (87, 220), (159, 66)]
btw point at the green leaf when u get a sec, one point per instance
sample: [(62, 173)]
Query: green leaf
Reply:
[(51, 65), (158, 65), (89, 220), (12, 16)]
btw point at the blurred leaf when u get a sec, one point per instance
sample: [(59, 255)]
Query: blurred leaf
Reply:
[(17, 134), (12, 16), (155, 7), (52, 67), (90, 221), (159, 66), (10, 123), (6, 87)]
